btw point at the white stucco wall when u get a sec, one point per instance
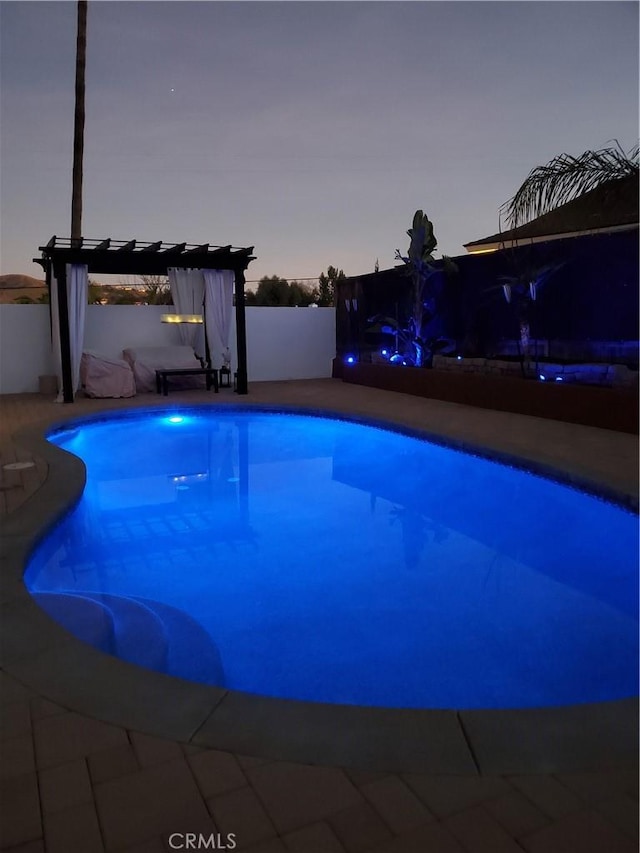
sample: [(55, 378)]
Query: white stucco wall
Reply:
[(289, 343), (282, 343), (25, 347), (111, 328)]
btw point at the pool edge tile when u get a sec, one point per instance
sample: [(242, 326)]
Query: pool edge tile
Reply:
[(26, 631), (76, 676), (390, 739), (546, 740)]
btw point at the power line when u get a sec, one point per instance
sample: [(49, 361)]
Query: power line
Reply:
[(286, 278)]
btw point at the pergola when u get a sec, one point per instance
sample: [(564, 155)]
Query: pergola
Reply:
[(132, 257)]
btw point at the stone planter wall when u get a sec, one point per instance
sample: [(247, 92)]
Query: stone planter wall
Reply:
[(612, 375), (604, 407)]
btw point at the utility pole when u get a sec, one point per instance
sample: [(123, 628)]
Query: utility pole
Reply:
[(78, 126)]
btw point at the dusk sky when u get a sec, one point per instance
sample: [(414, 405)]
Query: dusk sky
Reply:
[(311, 131)]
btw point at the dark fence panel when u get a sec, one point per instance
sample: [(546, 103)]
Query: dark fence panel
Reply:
[(591, 299)]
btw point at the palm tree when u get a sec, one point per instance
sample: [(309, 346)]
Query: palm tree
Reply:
[(565, 178), (78, 124)]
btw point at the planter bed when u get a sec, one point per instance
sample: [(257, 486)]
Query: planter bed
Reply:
[(608, 408), (610, 375)]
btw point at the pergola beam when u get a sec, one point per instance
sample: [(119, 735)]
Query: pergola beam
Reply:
[(147, 260)]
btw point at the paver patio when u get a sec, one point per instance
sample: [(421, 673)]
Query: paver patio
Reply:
[(76, 781)]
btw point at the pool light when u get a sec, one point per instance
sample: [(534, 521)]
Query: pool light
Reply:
[(175, 419)]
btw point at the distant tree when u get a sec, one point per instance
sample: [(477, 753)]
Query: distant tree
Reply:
[(96, 293), (314, 295), (23, 300), (327, 286), (302, 296), (278, 292), (126, 297), (272, 291), (156, 290)]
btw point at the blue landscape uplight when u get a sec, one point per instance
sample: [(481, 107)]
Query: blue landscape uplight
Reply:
[(350, 359)]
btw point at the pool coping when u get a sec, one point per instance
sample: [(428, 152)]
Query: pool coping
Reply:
[(40, 653)]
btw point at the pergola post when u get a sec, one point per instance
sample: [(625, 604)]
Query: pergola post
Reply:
[(241, 333), (60, 273)]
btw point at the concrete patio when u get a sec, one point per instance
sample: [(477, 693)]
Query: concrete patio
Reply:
[(98, 755)]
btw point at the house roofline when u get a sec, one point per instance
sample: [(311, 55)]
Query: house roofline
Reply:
[(480, 247)]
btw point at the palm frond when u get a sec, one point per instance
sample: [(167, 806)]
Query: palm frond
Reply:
[(566, 177)]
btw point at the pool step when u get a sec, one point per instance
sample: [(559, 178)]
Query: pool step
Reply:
[(115, 624), (139, 634), (86, 619), (191, 653), (141, 631)]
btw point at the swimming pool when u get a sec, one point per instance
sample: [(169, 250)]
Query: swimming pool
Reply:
[(320, 559)]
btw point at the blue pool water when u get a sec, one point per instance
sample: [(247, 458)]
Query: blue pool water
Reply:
[(311, 558)]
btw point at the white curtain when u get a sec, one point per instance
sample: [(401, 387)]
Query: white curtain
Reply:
[(187, 292), (77, 298), (218, 302)]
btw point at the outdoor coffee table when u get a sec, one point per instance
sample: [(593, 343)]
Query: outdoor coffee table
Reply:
[(162, 376)]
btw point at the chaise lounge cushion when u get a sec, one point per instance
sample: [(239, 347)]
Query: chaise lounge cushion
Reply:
[(146, 360)]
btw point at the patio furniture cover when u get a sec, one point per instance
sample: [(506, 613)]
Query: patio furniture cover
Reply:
[(104, 376)]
